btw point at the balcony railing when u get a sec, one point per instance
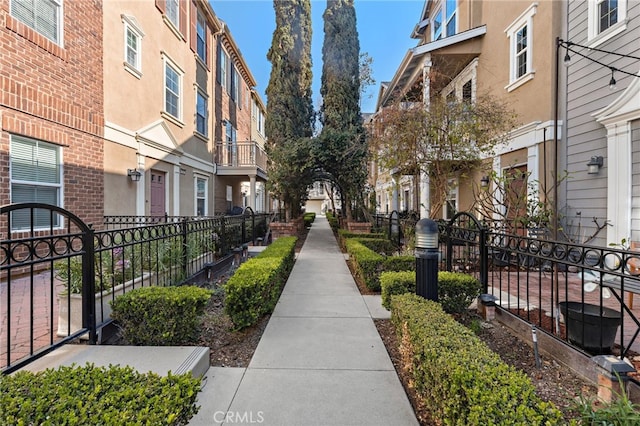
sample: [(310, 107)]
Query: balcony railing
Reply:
[(240, 155)]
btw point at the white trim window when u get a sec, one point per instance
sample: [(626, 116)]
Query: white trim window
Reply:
[(201, 191), (223, 67), (172, 89), (202, 112), (444, 22), (607, 18), (132, 45), (36, 177), (44, 16), (451, 202), (520, 34), (201, 37), (173, 12)]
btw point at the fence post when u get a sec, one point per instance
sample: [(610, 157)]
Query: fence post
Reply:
[(89, 285), (484, 260), (185, 247), (449, 264)]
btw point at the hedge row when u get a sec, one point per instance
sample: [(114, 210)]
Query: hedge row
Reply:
[(368, 265), (253, 290), (333, 221), (160, 316), (456, 290), (457, 377), (92, 395), (308, 218)]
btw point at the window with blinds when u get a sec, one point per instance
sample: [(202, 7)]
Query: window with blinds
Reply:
[(41, 15), (36, 177)]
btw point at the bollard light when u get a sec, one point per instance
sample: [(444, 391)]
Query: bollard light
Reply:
[(427, 259)]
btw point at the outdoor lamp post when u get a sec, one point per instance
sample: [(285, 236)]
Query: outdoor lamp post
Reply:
[(427, 259)]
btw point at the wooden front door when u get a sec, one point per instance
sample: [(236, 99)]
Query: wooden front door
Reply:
[(516, 198), (157, 207)]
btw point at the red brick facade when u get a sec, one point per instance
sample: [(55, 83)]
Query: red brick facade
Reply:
[(54, 93)]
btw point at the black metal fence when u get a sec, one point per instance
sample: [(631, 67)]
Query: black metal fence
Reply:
[(56, 281), (580, 294)]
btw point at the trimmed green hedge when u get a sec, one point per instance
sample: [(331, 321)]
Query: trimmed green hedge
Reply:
[(457, 377), (456, 290), (333, 221), (308, 219), (92, 395), (344, 235), (160, 316), (368, 264), (253, 290)]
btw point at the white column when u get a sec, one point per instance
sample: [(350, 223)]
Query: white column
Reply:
[(395, 196), (140, 187), (425, 201), (619, 182), (176, 191), (252, 192)]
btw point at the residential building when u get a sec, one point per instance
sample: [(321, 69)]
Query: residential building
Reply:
[(239, 157), (51, 108), (175, 88), (603, 123), (468, 49)]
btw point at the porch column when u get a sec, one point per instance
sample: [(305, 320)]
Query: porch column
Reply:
[(140, 187), (425, 199), (252, 192), (395, 196)]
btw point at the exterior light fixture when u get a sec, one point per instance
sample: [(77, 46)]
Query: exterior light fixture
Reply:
[(612, 82), (484, 181), (134, 175), (567, 59), (594, 165), (426, 253)]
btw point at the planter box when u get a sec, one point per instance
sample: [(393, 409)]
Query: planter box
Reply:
[(359, 227), (70, 306), (286, 229)]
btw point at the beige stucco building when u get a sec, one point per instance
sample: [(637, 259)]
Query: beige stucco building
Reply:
[(177, 96), (472, 48)]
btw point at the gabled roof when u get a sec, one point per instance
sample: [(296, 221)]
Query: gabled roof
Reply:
[(413, 62)]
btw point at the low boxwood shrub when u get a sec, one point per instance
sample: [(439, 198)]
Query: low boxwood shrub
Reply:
[(400, 263), (456, 290), (344, 235), (333, 221), (308, 218), (394, 283), (457, 377), (160, 316), (367, 264), (89, 395), (379, 245), (253, 290)]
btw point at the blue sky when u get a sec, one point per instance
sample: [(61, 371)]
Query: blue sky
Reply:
[(384, 28)]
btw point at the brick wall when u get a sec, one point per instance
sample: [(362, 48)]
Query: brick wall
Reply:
[(54, 92)]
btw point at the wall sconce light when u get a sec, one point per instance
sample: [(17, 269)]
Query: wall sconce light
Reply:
[(484, 181), (594, 165), (134, 174)]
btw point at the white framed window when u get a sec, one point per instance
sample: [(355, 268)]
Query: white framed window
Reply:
[(437, 25), (173, 12), (201, 195), (451, 203), (44, 16), (223, 66), (132, 45), (444, 22), (36, 177), (202, 113), (520, 34), (172, 88), (201, 37), (235, 90), (607, 18), (451, 12)]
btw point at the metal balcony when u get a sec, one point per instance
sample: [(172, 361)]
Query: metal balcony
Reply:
[(240, 158)]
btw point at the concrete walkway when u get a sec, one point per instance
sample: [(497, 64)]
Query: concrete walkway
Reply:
[(320, 360)]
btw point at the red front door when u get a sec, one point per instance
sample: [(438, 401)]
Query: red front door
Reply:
[(157, 207)]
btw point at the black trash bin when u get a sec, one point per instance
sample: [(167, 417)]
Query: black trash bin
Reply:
[(588, 329)]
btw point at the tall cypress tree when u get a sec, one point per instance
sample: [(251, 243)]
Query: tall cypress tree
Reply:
[(289, 123), (342, 149)]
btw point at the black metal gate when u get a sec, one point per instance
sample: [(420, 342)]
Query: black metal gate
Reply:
[(34, 237)]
